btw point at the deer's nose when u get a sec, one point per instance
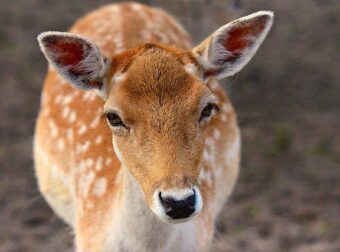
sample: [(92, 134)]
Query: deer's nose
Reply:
[(178, 207)]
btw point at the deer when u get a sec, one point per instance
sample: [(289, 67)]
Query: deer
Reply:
[(137, 145)]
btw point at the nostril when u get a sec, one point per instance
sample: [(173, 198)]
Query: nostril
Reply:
[(191, 201), (178, 209), (167, 202)]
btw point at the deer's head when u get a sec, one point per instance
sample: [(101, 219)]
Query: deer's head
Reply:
[(158, 105)]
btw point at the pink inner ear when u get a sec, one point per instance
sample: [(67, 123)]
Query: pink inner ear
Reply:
[(242, 37), (75, 58), (67, 53)]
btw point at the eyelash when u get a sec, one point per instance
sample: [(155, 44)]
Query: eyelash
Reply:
[(208, 110), (114, 120)]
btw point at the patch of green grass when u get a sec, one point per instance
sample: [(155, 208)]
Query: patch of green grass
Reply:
[(254, 209), (312, 169), (5, 45), (338, 44), (323, 147), (282, 140), (325, 228)]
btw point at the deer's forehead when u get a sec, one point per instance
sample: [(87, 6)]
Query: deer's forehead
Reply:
[(151, 67), (157, 70), (157, 80), (157, 101)]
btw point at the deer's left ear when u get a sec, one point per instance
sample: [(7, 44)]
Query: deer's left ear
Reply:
[(231, 47), (77, 59)]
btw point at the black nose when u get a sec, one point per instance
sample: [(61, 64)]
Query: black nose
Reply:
[(178, 209)]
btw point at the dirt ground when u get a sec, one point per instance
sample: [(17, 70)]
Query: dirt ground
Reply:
[(288, 100)]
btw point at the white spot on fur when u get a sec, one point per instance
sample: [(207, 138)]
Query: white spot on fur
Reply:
[(60, 79), (85, 182), (209, 142), (60, 144), (233, 149), (44, 99), (89, 96), (224, 117), (53, 128), (89, 205), (205, 176), (226, 107), (210, 145), (82, 166), (206, 156), (137, 7), (73, 116), (99, 187), (58, 99), (69, 134), (67, 99), (46, 111), (89, 162), (82, 148), (115, 9), (217, 134), (66, 112), (118, 40), (98, 140), (82, 129), (118, 77), (108, 161), (99, 164), (95, 122)]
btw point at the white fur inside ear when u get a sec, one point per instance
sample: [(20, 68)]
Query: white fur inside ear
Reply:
[(92, 66), (214, 55)]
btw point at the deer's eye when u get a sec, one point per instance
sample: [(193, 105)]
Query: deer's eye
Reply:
[(207, 111), (115, 120)]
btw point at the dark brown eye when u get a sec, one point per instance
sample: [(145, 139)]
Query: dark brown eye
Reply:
[(207, 111), (115, 120)]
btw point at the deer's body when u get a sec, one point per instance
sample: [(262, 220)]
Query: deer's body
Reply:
[(80, 169)]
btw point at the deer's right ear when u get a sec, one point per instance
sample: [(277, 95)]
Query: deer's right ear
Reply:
[(77, 59), (231, 47)]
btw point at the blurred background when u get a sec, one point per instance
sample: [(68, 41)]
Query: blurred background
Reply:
[(288, 101)]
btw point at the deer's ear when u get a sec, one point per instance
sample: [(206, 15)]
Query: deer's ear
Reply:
[(77, 59), (231, 47)]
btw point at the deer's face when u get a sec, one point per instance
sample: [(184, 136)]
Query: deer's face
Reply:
[(157, 110), (157, 104)]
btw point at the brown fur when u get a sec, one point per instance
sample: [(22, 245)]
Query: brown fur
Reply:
[(160, 102)]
